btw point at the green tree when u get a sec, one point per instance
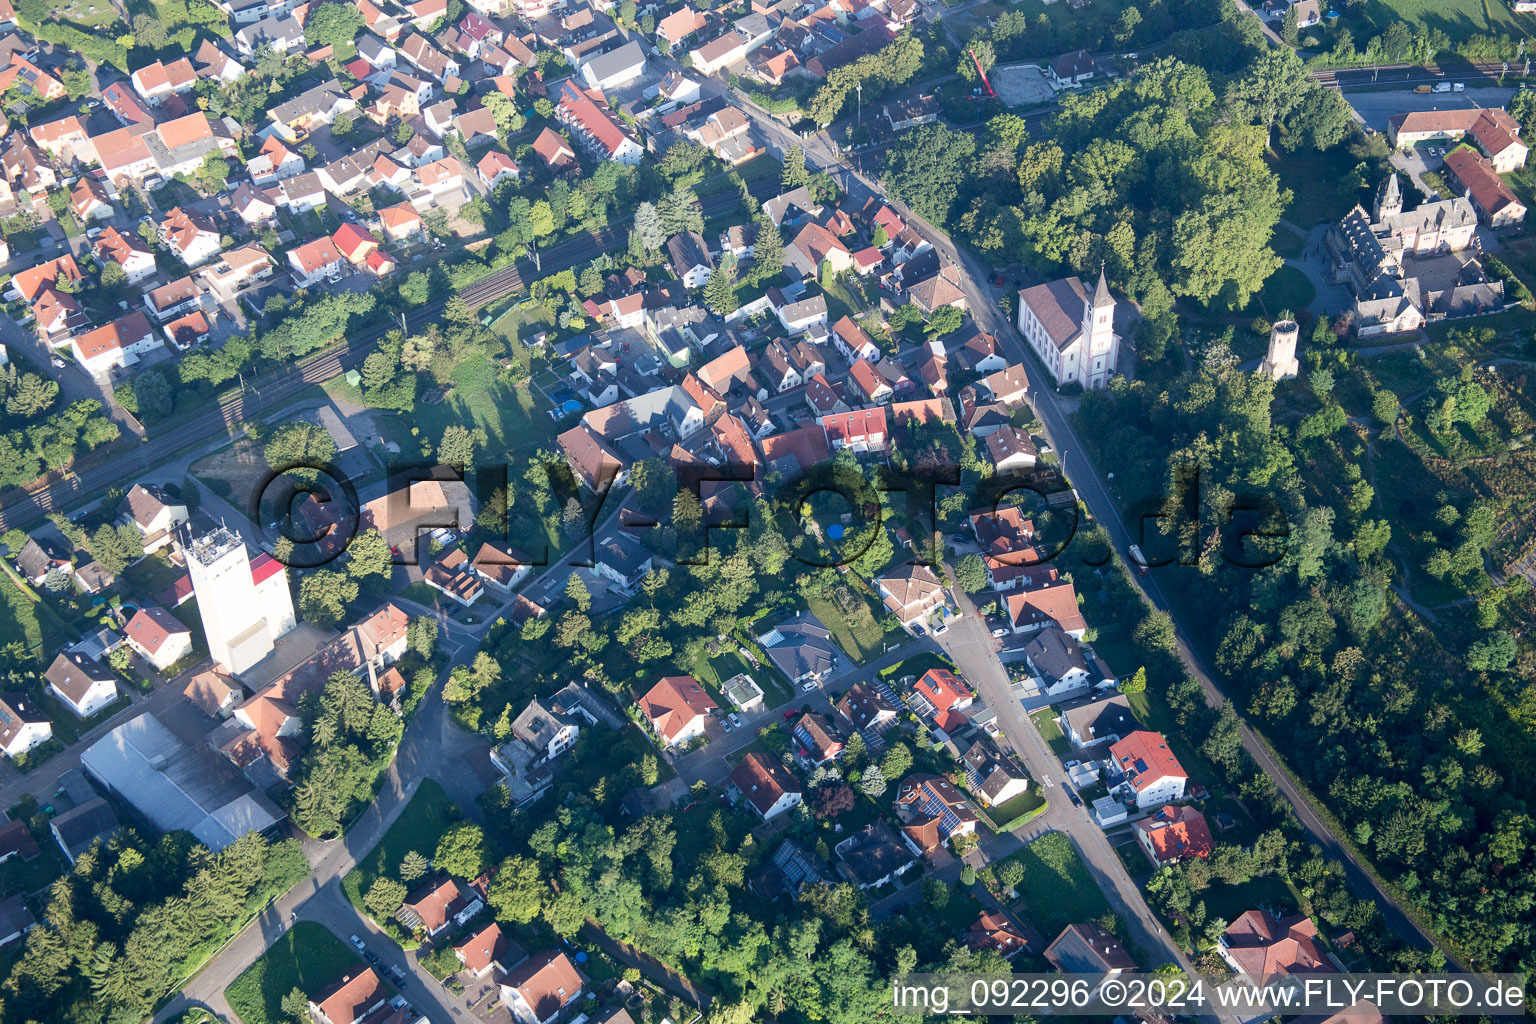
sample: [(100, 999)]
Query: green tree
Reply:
[(462, 851), (384, 897), (793, 174), (299, 444), (518, 891), (295, 1006), (327, 27), (458, 445), (413, 866), (369, 558), (971, 574), (116, 547), (1137, 683), (325, 596), (421, 635)]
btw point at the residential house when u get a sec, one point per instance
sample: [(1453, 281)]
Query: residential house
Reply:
[(495, 166), (1088, 949), (158, 636), (119, 343), (90, 201), (538, 989), (555, 152), (815, 249), (1144, 768), (215, 692), (500, 567), (40, 556), (1071, 70), (157, 82), (488, 951), (1260, 945), (677, 708), (128, 252), (451, 576), (1052, 603), (23, 725), (1100, 721), (190, 236), (274, 162), (15, 919), (939, 692), (689, 258), (818, 738), (432, 908), (766, 785), (938, 290), (281, 34), (1057, 662), (400, 222), (1011, 450), (873, 856), (316, 261), (622, 559), (869, 383), (869, 710), (1173, 833), (912, 593), (802, 648), (80, 828), (996, 930), (83, 684), (550, 726), (862, 430), (357, 996), (851, 340), (934, 812), (798, 316), (992, 776), (65, 140), (172, 300)]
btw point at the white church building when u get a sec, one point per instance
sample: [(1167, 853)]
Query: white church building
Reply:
[(245, 605), (1072, 334)]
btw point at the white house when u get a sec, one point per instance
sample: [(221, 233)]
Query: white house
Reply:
[(316, 261), (769, 787), (158, 636), (616, 68), (540, 987), (1143, 766), (84, 684), (22, 725), (119, 343)]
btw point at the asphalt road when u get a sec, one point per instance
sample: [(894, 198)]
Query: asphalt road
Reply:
[(1053, 412)]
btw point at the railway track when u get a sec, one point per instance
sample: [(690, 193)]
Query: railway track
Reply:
[(22, 510)]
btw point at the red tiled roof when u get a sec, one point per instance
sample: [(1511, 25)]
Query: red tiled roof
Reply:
[(674, 702), (1145, 759)]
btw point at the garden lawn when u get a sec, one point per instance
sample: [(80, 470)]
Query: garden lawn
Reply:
[(1045, 725), (1057, 888), (513, 419), (916, 666), (307, 956), (1287, 243), (1459, 19), (418, 828), (1229, 902), (1286, 290), (30, 623), (35, 875), (1314, 179), (1025, 803), (853, 625)]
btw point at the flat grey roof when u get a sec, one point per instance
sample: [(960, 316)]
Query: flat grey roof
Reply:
[(176, 786)]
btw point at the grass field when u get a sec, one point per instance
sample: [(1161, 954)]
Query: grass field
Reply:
[(1045, 725), (35, 875), (1057, 889), (1287, 243), (916, 666), (307, 957), (513, 419), (418, 828), (1315, 179), (1287, 289), (1458, 19), (851, 620), (30, 623), (1023, 804)]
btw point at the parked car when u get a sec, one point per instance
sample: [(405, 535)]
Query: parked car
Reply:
[(808, 686), (726, 724), (1076, 802), (788, 714), (735, 720), (999, 631), (372, 957), (918, 630), (58, 364), (357, 942)]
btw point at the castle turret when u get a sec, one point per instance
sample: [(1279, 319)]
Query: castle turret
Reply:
[(1280, 362), (1389, 201)]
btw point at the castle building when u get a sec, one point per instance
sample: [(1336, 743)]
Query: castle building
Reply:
[(1073, 334), (1373, 255), (245, 605)]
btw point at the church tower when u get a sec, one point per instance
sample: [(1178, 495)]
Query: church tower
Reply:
[(1389, 201), (1102, 344)]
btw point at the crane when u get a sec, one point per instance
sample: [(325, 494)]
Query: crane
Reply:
[(991, 93)]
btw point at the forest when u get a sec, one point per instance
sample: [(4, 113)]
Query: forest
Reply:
[(132, 919), (1418, 727), (1165, 177)]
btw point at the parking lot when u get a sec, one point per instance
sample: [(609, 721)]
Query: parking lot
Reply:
[(1376, 107)]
